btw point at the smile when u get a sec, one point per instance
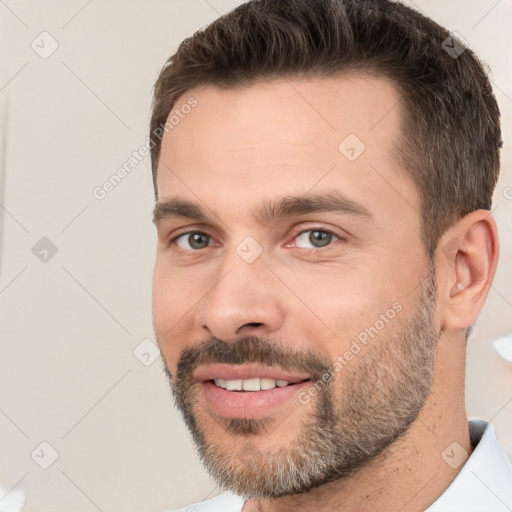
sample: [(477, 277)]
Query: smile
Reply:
[(248, 390), (254, 384)]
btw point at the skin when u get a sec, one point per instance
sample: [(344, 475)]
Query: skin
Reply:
[(280, 138)]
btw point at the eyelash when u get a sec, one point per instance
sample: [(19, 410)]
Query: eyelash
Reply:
[(336, 237)]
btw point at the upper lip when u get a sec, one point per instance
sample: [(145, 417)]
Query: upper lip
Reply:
[(244, 372)]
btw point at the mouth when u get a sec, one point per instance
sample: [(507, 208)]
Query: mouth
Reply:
[(248, 391)]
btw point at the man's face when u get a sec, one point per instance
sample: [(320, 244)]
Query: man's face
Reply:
[(293, 304)]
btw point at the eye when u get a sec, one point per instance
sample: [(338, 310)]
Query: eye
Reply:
[(193, 240), (316, 238)]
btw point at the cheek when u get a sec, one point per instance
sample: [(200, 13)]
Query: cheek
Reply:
[(337, 306), (170, 319), (355, 311), (340, 295), (172, 295), (161, 303)]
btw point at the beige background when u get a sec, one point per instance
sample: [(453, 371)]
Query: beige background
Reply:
[(69, 327)]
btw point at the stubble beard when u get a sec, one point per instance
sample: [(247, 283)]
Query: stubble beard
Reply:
[(367, 407)]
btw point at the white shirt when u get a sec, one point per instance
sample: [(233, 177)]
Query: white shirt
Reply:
[(484, 483)]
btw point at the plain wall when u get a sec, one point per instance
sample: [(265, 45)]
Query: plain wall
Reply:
[(69, 326)]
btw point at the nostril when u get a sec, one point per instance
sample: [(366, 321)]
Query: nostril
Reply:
[(253, 324)]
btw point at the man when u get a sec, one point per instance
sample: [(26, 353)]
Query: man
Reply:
[(323, 173)]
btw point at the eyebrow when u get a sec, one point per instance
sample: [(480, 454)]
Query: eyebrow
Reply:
[(269, 210)]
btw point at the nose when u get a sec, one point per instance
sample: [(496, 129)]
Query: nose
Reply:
[(243, 300)]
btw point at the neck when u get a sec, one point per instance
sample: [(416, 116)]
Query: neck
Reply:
[(413, 472)]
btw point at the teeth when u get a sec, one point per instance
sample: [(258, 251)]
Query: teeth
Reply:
[(221, 383), (234, 385), (255, 384), (267, 384), (251, 384)]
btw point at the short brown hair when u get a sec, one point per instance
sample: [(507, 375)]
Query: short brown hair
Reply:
[(451, 122)]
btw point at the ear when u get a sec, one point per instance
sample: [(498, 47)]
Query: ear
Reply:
[(466, 261)]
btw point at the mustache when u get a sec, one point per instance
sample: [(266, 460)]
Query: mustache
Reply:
[(249, 350)]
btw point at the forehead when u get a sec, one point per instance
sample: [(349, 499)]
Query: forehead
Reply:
[(286, 136)]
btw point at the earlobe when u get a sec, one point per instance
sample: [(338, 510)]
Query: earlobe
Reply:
[(467, 259)]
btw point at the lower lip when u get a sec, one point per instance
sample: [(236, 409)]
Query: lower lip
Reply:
[(249, 404)]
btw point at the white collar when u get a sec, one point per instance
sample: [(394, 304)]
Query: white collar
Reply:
[(484, 483)]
